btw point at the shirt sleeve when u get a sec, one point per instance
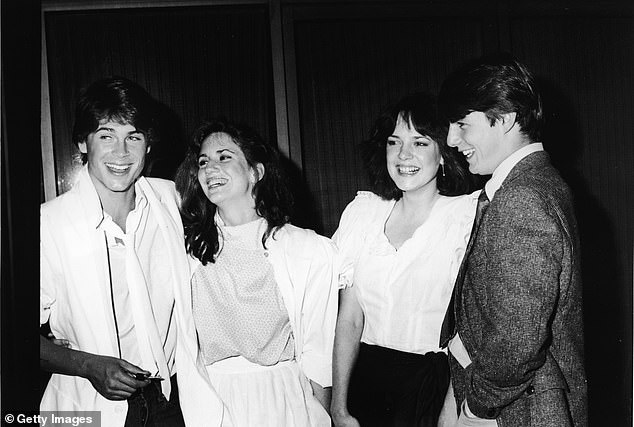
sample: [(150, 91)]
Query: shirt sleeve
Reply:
[(48, 277), (349, 237), (319, 312), (463, 214)]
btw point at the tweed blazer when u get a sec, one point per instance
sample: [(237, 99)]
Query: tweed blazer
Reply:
[(519, 313)]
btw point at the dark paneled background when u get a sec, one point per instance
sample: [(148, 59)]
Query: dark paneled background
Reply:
[(343, 63), (352, 63), (585, 64), (198, 61)]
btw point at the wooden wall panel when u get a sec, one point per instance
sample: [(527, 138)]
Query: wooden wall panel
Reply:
[(348, 71), (199, 62)]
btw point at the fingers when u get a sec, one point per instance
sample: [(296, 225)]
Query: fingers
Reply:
[(62, 343), (113, 378), (127, 379), (58, 341), (120, 385), (133, 369), (127, 376)]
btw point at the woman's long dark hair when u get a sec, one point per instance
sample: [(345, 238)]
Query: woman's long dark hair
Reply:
[(273, 200), (421, 111)]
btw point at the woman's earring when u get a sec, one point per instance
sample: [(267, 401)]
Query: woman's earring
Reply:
[(442, 168)]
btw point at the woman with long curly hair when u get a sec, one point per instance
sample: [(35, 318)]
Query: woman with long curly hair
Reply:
[(263, 295)]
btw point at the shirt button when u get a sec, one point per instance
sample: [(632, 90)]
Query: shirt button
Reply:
[(530, 390), (266, 254)]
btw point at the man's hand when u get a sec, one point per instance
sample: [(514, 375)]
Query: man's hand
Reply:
[(113, 378)]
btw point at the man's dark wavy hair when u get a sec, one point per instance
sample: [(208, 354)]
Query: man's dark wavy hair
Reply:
[(273, 200), (115, 99), (421, 111), (496, 84)]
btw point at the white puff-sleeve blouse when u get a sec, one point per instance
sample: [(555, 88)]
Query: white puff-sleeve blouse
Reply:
[(403, 293)]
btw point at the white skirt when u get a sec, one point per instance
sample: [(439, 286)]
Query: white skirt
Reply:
[(266, 396)]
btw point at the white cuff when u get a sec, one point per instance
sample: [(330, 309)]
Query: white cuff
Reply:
[(459, 352)]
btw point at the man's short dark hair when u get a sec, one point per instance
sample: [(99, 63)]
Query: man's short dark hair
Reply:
[(495, 85), (115, 99)]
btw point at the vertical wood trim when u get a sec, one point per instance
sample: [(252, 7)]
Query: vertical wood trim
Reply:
[(5, 202), (292, 101), (46, 129), (279, 78)]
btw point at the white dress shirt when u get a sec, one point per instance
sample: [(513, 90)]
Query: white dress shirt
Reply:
[(502, 171)]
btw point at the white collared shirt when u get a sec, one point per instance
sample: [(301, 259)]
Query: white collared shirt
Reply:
[(121, 293), (403, 292), (502, 171), (141, 228)]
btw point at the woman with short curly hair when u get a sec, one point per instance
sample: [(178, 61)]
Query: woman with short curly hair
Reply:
[(401, 246)]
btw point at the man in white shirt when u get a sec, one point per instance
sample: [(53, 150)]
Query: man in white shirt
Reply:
[(514, 330), (111, 250)]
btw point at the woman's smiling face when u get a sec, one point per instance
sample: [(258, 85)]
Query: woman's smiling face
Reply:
[(412, 158), (224, 174)]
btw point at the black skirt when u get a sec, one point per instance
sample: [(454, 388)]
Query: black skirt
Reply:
[(391, 388)]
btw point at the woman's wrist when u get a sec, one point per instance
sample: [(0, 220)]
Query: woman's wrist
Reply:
[(338, 410)]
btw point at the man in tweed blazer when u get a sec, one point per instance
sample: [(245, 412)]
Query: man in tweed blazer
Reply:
[(516, 323)]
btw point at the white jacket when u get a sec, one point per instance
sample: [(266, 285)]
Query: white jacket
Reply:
[(75, 290)]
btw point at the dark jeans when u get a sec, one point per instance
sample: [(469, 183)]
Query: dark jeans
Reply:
[(147, 407), (391, 388)]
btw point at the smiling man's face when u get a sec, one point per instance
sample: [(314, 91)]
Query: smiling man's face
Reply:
[(116, 156), (479, 141)]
